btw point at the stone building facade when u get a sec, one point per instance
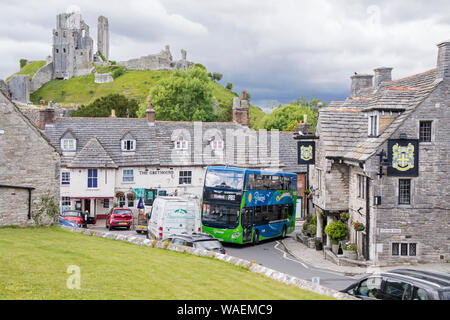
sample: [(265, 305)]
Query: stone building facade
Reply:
[(404, 205), (29, 165)]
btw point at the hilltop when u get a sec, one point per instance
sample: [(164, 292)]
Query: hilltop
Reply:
[(134, 84)]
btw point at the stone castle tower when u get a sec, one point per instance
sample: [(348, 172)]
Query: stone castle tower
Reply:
[(103, 36), (72, 46)]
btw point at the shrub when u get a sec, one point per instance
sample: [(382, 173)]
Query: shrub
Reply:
[(229, 86), (344, 217), (312, 229), (23, 63), (336, 231), (46, 209), (314, 220)]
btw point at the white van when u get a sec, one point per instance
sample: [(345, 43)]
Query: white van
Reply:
[(173, 215)]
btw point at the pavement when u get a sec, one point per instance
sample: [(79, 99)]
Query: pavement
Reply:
[(316, 259)]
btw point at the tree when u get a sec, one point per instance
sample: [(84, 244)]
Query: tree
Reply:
[(23, 63), (229, 86), (217, 76), (102, 107), (186, 95)]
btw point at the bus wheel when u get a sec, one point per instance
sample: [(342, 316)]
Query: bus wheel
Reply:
[(283, 233), (255, 238)]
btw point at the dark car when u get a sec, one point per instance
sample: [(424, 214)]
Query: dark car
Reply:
[(119, 218), (402, 284), (67, 223), (197, 240), (74, 215)]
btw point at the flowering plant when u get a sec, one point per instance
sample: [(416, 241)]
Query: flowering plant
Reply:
[(131, 196), (119, 194), (358, 226)]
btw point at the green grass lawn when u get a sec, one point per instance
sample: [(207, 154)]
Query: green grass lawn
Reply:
[(30, 69), (34, 262)]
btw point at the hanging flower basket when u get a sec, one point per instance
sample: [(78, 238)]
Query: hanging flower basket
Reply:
[(358, 226), (119, 194), (131, 196), (306, 192)]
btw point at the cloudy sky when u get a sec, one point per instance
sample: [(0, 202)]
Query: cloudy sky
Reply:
[(278, 50)]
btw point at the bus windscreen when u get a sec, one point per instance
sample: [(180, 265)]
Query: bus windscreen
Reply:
[(225, 179)]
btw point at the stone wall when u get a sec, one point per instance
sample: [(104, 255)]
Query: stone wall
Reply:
[(19, 88), (26, 160), (41, 77), (103, 77), (426, 221)]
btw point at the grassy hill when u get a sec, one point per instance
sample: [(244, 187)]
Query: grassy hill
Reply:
[(34, 264), (131, 83), (30, 69)]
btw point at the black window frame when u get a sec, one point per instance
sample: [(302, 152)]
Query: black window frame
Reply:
[(404, 196), (425, 130), (185, 177)]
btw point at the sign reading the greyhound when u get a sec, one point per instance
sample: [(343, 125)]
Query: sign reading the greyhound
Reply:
[(306, 151), (403, 157)]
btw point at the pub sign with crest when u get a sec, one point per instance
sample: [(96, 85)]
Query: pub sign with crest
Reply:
[(306, 152), (403, 156)]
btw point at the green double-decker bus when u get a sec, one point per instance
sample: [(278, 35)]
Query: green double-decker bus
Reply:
[(246, 206)]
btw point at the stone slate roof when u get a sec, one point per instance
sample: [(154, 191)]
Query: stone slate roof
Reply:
[(155, 144), (92, 155), (343, 125)]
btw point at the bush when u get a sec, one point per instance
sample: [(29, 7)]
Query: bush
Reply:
[(229, 86), (337, 231), (23, 63), (344, 217), (314, 220), (312, 230), (46, 209)]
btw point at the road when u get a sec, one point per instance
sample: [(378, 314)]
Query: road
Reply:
[(271, 254)]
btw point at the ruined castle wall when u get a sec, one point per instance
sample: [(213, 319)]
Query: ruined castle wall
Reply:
[(42, 76)]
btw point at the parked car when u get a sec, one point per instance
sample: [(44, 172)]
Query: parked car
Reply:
[(197, 240), (67, 222), (119, 218), (173, 215), (74, 215), (402, 284)]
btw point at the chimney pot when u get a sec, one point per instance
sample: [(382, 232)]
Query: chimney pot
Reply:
[(150, 112)]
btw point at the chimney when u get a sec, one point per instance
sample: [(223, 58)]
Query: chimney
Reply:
[(303, 127), (150, 112), (46, 116), (359, 82), (240, 111), (382, 74), (443, 61), (113, 113)]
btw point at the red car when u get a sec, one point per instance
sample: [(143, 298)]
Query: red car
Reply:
[(119, 218), (75, 216)]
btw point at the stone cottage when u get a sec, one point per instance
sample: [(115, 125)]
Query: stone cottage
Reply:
[(383, 156), (29, 165)]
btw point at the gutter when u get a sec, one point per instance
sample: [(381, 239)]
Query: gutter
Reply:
[(367, 244)]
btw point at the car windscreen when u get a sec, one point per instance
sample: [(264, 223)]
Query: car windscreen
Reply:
[(224, 179), (445, 295), (208, 244), (71, 214), (122, 211), (220, 216)]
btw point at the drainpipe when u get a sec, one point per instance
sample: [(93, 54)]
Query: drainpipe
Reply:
[(367, 244)]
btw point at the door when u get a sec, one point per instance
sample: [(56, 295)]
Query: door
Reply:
[(247, 223), (91, 213)]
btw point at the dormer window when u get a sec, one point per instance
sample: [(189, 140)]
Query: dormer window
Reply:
[(68, 144), (181, 144), (128, 145), (373, 125), (128, 142)]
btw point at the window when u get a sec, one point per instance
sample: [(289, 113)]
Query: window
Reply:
[(217, 145), (404, 249), (122, 201), (319, 179), (128, 145), (396, 290), (404, 191), (68, 144), (65, 202), (373, 125), (106, 203), (425, 131), (128, 175), (65, 177), (185, 177), (130, 203), (370, 287), (420, 294), (92, 178), (181, 144), (361, 186)]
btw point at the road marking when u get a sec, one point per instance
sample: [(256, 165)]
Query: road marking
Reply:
[(287, 258)]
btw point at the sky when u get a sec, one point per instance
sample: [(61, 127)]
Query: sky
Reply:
[(277, 50)]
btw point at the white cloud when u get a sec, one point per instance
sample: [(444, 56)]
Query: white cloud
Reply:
[(277, 50)]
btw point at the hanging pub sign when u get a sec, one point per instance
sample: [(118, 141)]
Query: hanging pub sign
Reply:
[(306, 151), (403, 157)]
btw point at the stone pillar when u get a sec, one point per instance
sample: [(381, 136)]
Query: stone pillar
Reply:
[(103, 36), (19, 88), (319, 228), (330, 219)]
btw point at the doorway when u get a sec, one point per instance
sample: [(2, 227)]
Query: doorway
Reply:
[(247, 225)]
